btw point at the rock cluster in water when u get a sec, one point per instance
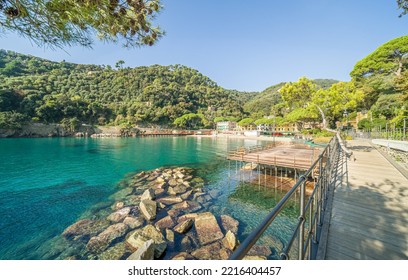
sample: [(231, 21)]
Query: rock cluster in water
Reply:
[(159, 215)]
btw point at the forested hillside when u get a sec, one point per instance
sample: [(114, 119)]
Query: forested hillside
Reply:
[(36, 89)]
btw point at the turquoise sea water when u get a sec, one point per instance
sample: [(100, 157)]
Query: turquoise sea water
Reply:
[(48, 184)]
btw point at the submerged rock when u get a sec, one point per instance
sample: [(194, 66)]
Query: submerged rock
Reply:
[(148, 209), (117, 252), (119, 215), (260, 250), (122, 194), (207, 228), (99, 243), (229, 223), (85, 229), (133, 222)]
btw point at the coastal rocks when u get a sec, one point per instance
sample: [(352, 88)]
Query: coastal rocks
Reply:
[(207, 228), (139, 237), (145, 252), (156, 215), (101, 242), (85, 229), (148, 209)]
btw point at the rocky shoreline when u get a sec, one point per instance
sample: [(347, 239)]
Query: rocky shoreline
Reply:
[(159, 214)]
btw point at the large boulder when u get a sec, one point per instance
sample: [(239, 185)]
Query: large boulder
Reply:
[(145, 252), (229, 223), (207, 228), (119, 215), (99, 243), (148, 208), (140, 236), (85, 229)]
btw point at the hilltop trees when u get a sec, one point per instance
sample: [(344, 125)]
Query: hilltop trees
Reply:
[(59, 23)]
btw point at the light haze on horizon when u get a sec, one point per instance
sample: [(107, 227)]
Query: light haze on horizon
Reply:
[(251, 45)]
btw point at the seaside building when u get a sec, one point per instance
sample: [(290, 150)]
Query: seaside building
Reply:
[(227, 126)]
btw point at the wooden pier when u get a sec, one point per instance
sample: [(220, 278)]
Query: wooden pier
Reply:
[(299, 157)]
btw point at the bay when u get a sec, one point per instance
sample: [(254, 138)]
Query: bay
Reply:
[(49, 183)]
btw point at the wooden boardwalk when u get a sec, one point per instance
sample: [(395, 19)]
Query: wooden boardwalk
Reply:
[(369, 209)]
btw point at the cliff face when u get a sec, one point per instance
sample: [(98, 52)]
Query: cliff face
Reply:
[(44, 130)]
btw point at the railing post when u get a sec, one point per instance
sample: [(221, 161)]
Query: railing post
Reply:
[(320, 191), (302, 218), (311, 228)]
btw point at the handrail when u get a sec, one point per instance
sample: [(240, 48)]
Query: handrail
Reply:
[(343, 147), (315, 205)]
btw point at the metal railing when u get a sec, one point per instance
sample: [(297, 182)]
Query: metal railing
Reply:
[(306, 232)]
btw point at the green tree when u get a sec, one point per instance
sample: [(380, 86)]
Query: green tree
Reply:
[(298, 94), (339, 97), (390, 58), (74, 22), (119, 64), (12, 120), (191, 121), (403, 5), (246, 122)]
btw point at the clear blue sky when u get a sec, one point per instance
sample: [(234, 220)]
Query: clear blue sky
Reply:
[(250, 45)]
